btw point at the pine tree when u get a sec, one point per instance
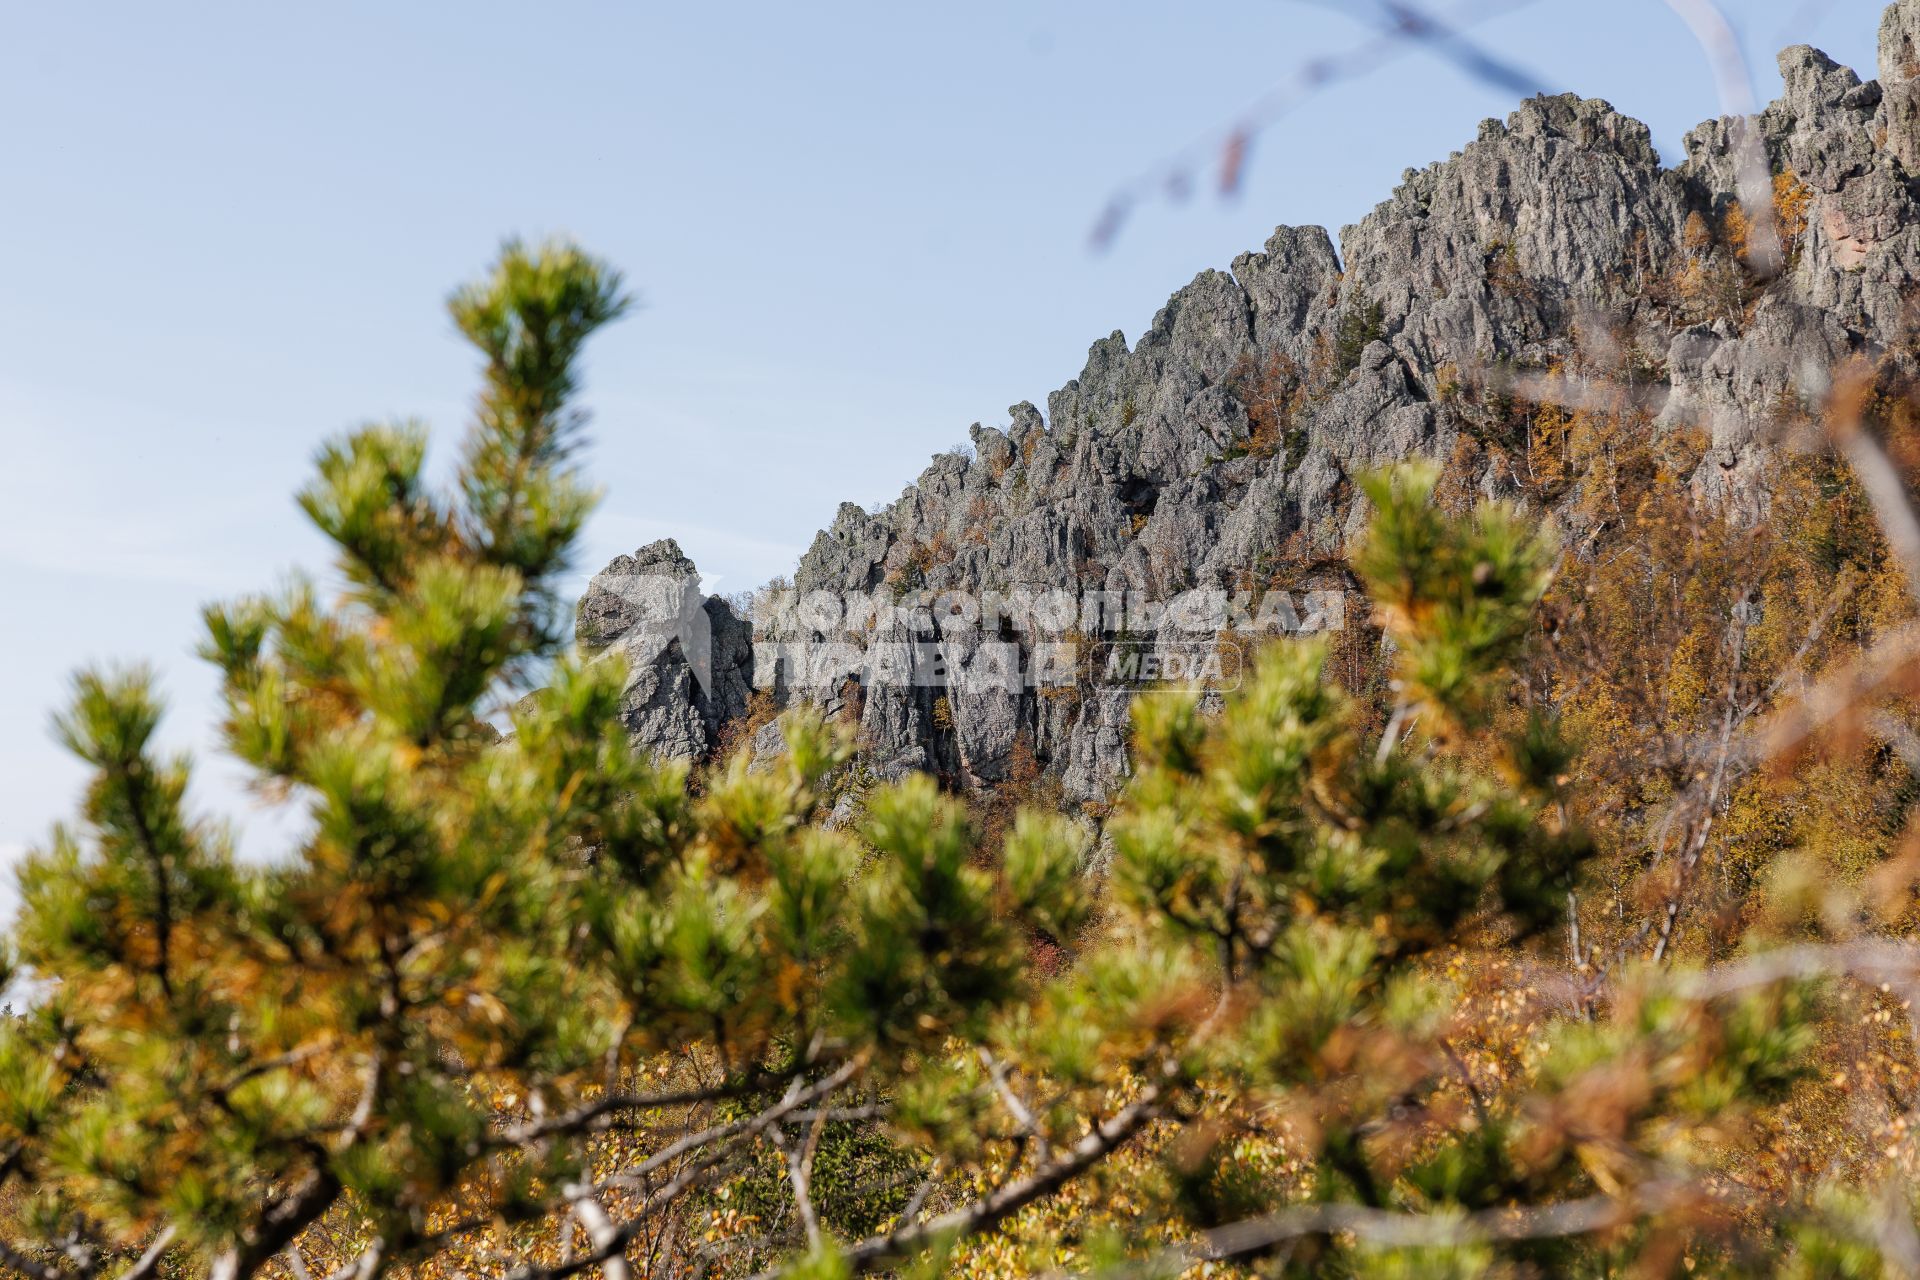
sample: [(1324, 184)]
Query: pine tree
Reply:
[(532, 1005)]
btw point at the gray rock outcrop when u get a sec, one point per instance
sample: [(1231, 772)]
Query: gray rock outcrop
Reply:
[(1218, 451), (689, 657)]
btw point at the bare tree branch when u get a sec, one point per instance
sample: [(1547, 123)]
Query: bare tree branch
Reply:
[(1870, 960), (1892, 505), (1387, 1229), (1228, 145), (149, 1261), (601, 1231), (590, 1116), (1029, 1127), (1754, 171), (985, 1212), (15, 1258)]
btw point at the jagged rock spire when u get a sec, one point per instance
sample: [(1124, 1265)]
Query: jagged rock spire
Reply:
[(1146, 473), (1900, 80)]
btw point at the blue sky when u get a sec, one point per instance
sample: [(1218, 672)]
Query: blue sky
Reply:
[(856, 228)]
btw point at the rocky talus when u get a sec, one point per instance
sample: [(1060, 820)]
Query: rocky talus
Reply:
[(1218, 450)]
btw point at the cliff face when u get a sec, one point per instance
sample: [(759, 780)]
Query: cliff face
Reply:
[(1215, 454)]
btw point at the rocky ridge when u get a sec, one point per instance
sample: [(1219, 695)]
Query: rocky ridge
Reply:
[(1218, 449)]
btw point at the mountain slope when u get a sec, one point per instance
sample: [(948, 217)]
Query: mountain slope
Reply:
[(1216, 454)]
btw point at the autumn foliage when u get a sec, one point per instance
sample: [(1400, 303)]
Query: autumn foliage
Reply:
[(1563, 933)]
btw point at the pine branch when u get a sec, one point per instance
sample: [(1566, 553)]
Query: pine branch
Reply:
[(129, 778)]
